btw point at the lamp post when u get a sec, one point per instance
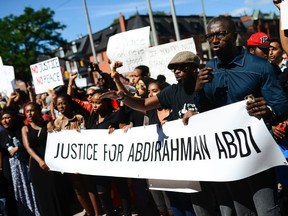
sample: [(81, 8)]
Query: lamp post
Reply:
[(205, 27), (153, 29), (90, 32), (175, 20)]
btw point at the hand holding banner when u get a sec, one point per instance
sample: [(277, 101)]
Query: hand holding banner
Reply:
[(205, 150)]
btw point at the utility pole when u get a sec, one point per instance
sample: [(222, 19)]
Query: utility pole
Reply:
[(175, 20), (153, 29), (205, 27), (90, 32)]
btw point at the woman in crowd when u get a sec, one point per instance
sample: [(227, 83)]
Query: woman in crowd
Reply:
[(144, 204), (15, 166), (104, 116), (159, 116), (82, 184), (49, 186)]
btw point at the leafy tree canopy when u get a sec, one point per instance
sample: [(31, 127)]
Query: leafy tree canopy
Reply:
[(26, 37)]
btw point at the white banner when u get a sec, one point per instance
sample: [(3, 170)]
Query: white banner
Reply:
[(46, 75), (224, 144)]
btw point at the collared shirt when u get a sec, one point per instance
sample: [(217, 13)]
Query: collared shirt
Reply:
[(246, 74), (283, 65), (77, 122)]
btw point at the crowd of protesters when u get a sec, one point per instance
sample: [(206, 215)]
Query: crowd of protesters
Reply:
[(28, 187)]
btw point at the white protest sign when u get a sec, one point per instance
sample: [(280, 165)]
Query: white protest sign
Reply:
[(46, 75), (129, 47), (206, 149), (158, 57), (81, 82), (7, 81), (284, 14)]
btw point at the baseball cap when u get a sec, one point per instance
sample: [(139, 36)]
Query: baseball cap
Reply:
[(184, 57), (259, 39)]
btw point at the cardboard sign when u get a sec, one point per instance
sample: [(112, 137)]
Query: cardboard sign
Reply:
[(46, 75)]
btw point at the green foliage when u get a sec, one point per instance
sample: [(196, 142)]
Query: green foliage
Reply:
[(25, 37), (115, 21), (162, 13)]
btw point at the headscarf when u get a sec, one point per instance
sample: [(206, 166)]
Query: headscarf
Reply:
[(146, 81)]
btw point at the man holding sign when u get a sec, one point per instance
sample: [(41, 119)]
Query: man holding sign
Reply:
[(231, 77), (177, 97)]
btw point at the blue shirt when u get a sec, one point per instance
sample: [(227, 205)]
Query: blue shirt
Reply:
[(246, 74)]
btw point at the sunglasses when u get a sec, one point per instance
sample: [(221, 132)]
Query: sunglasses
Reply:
[(91, 94), (180, 67), (264, 50), (219, 35)]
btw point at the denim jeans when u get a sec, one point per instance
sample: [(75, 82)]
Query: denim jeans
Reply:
[(3, 206), (256, 195), (181, 204), (213, 200)]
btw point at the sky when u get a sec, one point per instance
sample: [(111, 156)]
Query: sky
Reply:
[(102, 13)]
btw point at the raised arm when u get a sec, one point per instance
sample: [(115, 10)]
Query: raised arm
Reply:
[(115, 76), (71, 84), (135, 103), (32, 96)]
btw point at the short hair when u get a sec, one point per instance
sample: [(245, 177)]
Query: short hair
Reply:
[(231, 27), (144, 70), (61, 89), (67, 98), (277, 40)]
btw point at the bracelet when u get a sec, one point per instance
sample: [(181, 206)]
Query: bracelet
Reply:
[(272, 114)]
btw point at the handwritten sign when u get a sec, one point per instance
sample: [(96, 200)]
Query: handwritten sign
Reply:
[(7, 81), (129, 47), (46, 75), (158, 57)]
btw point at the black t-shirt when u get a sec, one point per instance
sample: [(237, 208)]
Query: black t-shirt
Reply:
[(113, 119), (129, 115), (176, 98)]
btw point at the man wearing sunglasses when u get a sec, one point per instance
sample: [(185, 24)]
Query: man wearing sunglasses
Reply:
[(177, 97), (227, 79)]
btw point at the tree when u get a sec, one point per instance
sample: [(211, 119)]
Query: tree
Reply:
[(26, 37)]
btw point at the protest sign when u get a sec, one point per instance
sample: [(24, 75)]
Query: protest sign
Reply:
[(46, 75), (158, 57), (7, 81), (210, 148), (132, 48), (129, 47), (284, 14)]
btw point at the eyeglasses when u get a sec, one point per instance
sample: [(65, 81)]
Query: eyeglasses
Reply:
[(219, 35)]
